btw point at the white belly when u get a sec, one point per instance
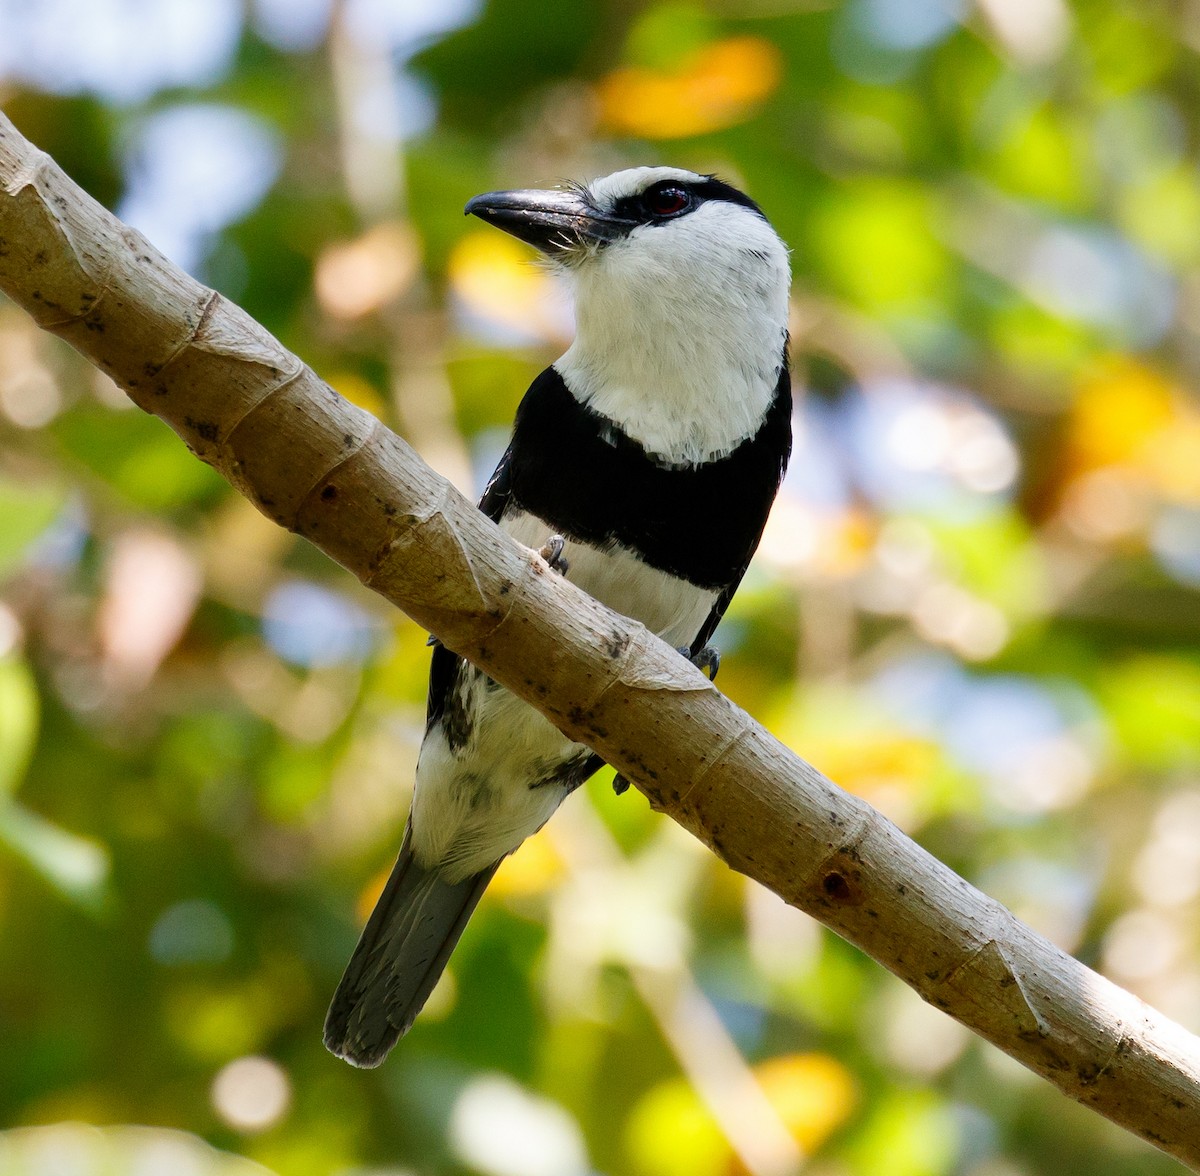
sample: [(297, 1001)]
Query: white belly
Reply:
[(674, 609), (474, 804)]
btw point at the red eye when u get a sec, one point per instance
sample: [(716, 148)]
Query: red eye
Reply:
[(667, 200)]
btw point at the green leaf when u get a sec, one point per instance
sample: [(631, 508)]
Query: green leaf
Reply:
[(18, 722), (139, 456), (77, 868), (25, 512), (1153, 703)]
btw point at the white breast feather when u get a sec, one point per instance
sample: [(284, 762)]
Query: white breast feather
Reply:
[(680, 331), (672, 608)]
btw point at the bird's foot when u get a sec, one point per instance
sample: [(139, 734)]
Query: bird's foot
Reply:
[(707, 661), (620, 784), (552, 552)]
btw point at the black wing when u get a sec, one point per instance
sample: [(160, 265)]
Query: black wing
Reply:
[(783, 426), (498, 491), (718, 611), (443, 666)]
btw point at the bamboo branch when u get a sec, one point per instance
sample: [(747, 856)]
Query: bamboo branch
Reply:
[(332, 473)]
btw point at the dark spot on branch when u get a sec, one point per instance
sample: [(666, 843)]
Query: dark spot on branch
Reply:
[(205, 430), (329, 493), (616, 644), (836, 886)]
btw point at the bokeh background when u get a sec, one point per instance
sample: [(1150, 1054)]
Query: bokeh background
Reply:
[(977, 603)]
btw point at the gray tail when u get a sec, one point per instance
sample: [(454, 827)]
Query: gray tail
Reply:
[(402, 952)]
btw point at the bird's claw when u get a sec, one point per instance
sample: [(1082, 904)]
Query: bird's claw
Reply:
[(707, 661), (620, 784), (552, 552)]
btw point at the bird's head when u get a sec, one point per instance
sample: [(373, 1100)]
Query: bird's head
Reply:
[(690, 230), (679, 281)]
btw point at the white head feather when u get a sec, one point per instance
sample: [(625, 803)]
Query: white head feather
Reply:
[(680, 325)]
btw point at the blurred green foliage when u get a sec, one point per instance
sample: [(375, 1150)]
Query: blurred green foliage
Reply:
[(977, 604)]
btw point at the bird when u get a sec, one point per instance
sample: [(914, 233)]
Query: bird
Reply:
[(642, 464)]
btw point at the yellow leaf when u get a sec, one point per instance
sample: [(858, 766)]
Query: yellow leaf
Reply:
[(717, 86), (492, 275), (672, 1133), (370, 894), (888, 772), (1130, 419), (534, 868), (358, 391), (1170, 460), (813, 1094), (850, 543), (1118, 408)]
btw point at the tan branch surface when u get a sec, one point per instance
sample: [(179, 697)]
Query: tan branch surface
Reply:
[(331, 472)]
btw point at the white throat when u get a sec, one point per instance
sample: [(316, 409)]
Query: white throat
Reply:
[(680, 331)]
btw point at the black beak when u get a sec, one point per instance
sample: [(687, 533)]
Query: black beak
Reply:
[(551, 221)]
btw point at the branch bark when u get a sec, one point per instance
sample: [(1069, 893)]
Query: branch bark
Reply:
[(331, 472)]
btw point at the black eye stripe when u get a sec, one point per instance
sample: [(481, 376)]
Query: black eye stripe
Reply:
[(663, 201), (710, 188), (639, 207)]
